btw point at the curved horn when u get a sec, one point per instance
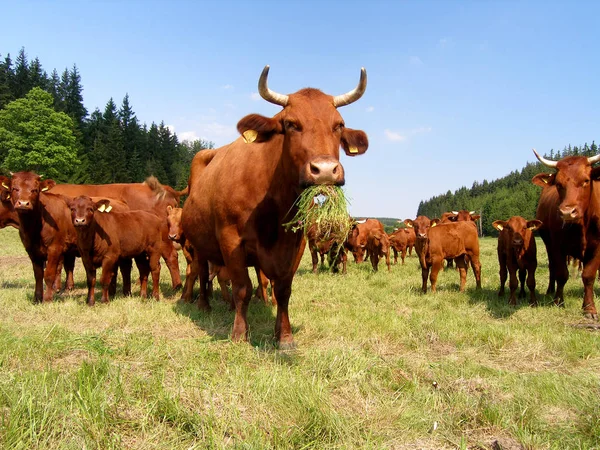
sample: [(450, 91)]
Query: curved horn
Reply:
[(455, 213), (472, 212), (545, 161), (593, 159), (354, 94), (268, 94)]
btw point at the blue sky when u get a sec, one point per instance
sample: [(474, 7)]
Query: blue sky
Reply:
[(457, 91)]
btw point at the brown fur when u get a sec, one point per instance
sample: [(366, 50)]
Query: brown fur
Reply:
[(238, 201), (138, 196), (103, 239), (517, 253), (378, 245), (357, 240), (399, 243), (45, 230), (571, 232)]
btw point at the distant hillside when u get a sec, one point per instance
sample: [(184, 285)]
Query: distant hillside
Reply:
[(512, 195), (388, 222)]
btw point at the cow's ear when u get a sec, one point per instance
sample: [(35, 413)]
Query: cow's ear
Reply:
[(534, 224), (257, 128), (169, 208), (499, 224), (453, 218), (543, 179), (46, 185), (434, 222), (103, 205), (596, 173), (4, 183), (408, 223), (475, 217), (354, 142)]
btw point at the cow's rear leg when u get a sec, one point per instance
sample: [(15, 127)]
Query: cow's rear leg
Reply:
[(283, 329), (424, 275), (461, 265), (144, 269), (513, 284), (561, 275), (396, 256), (315, 260), (503, 276), (125, 267), (476, 266), (263, 285)]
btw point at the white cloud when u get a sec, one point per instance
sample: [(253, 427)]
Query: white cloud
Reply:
[(171, 128), (227, 86), (188, 136), (255, 96), (394, 136), (370, 109), (415, 61), (400, 136)]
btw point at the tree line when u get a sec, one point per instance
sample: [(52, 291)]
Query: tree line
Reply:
[(512, 195), (45, 127)]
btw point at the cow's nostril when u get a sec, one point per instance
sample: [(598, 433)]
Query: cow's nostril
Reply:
[(314, 169)]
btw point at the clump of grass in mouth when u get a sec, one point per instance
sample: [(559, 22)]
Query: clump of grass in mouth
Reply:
[(324, 207)]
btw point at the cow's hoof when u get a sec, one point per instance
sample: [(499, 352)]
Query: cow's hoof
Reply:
[(177, 287), (589, 315)]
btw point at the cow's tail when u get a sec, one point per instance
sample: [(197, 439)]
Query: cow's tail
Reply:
[(156, 187)]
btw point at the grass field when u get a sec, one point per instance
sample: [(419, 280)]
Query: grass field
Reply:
[(378, 365)]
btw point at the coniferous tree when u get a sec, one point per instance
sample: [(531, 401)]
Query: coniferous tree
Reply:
[(74, 97), (54, 89), (21, 81), (38, 76), (6, 82)]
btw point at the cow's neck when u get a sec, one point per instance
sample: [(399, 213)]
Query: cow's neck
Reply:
[(86, 237), (30, 225)]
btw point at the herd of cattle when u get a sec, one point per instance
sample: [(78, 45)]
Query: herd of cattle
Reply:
[(238, 197)]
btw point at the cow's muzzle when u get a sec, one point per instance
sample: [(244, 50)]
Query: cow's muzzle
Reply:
[(24, 205), (323, 170), (569, 213), (79, 222)]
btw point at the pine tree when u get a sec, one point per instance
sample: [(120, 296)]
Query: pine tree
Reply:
[(74, 98), (38, 76), (22, 81), (6, 82), (54, 89)]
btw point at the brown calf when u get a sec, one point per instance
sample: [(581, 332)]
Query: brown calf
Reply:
[(450, 240), (378, 245), (399, 243), (517, 253), (357, 240), (104, 239)]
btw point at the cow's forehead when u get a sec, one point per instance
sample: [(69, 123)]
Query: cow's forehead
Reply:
[(517, 223), (573, 167), (311, 103), (25, 178)]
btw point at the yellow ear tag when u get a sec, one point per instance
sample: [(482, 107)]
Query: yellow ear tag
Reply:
[(433, 224), (544, 180), (249, 136), (500, 227), (45, 189), (353, 149), (102, 208), (8, 196), (409, 225), (108, 208), (5, 186)]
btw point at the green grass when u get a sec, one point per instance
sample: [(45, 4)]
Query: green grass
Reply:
[(377, 365)]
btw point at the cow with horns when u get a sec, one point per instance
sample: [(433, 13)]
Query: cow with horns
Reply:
[(240, 197), (569, 208)]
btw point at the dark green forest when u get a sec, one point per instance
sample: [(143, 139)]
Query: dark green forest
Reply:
[(45, 127), (512, 195)]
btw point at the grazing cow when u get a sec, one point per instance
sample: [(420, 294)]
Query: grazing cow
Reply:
[(105, 238), (569, 209), (148, 196), (517, 253), (436, 242), (325, 246), (239, 200), (357, 239), (45, 230), (378, 245), (399, 243)]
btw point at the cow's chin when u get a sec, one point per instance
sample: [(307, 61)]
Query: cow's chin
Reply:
[(570, 219)]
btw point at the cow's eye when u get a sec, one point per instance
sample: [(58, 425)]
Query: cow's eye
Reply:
[(291, 126), (339, 127), (585, 183)]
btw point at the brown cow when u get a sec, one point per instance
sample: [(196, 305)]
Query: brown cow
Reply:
[(8, 215), (436, 242), (399, 243), (45, 230), (378, 245), (569, 208), (410, 243), (148, 196), (105, 238), (517, 253), (239, 200), (357, 239), (458, 216), (320, 246)]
